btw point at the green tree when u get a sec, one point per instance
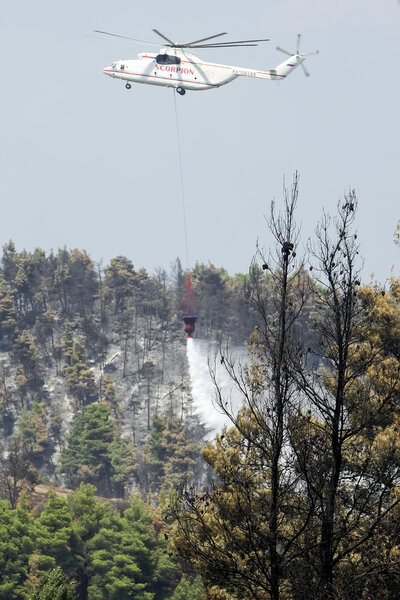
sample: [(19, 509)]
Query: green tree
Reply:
[(185, 589), (122, 463), (9, 262), (87, 516), (113, 571), (16, 544), (54, 585), (181, 454), (153, 560), (27, 354), (8, 321), (86, 512), (28, 284), (86, 456), (80, 377), (32, 428), (56, 542), (119, 283), (84, 283), (169, 458), (128, 558)]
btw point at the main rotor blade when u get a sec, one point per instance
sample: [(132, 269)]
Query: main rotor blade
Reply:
[(205, 46), (165, 38), (284, 51), (194, 44), (124, 37), (232, 44), (203, 39), (244, 41), (236, 42)]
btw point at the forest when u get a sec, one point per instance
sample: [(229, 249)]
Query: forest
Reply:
[(108, 489)]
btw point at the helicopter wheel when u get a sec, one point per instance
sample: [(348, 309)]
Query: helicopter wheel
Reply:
[(181, 91), (128, 86)]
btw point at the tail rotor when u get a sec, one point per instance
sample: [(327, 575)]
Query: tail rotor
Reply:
[(299, 57)]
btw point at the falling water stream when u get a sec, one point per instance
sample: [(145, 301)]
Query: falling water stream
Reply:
[(200, 354)]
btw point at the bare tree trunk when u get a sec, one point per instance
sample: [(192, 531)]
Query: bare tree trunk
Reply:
[(125, 355)]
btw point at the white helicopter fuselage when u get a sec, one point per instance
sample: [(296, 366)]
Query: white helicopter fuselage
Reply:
[(178, 68)]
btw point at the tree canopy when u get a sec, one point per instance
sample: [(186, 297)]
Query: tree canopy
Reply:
[(306, 495)]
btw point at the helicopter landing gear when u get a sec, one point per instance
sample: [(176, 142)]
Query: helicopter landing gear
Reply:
[(181, 91), (128, 86)]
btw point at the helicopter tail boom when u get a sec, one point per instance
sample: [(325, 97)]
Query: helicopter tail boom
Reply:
[(280, 72), (284, 69)]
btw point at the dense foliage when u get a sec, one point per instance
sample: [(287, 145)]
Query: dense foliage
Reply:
[(80, 548)]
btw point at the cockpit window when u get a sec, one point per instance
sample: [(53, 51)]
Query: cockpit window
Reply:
[(122, 67), (167, 59)]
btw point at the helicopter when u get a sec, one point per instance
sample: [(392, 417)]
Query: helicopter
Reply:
[(177, 66)]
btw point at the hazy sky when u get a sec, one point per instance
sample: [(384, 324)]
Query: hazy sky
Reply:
[(87, 164)]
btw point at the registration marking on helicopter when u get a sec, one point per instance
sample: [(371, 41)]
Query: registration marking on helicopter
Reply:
[(245, 72)]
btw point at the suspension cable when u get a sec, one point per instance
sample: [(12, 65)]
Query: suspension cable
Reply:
[(181, 179)]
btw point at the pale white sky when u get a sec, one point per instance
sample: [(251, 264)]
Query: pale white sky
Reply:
[(85, 163)]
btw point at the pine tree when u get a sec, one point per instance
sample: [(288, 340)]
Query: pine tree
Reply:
[(168, 459), (84, 284), (181, 454), (119, 283), (8, 322), (16, 473), (27, 354), (121, 458), (53, 585), (16, 544), (109, 394), (87, 454), (62, 279), (306, 495), (128, 559), (346, 442), (80, 377), (32, 428), (56, 542), (87, 517), (113, 570), (185, 589)]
